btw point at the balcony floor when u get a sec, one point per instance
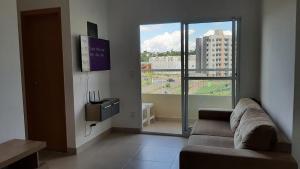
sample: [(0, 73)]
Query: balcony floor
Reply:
[(162, 126)]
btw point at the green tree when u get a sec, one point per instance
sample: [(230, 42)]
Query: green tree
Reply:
[(145, 56)]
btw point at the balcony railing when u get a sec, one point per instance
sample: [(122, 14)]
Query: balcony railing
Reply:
[(178, 70), (162, 87), (168, 81), (169, 106)]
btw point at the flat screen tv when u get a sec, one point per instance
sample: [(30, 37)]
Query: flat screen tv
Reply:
[(95, 54)]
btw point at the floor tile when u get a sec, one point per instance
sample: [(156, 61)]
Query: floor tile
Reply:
[(118, 151), (156, 153), (140, 164), (169, 127), (175, 164)]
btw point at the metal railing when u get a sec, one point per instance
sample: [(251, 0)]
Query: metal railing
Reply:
[(199, 70)]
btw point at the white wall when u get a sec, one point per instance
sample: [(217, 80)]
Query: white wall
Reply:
[(278, 61), (11, 103), (75, 14), (82, 11), (296, 125), (24, 5), (124, 19)]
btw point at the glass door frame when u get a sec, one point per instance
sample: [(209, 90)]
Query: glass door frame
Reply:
[(236, 23)]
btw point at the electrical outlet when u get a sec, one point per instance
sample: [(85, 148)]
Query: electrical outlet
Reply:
[(132, 114)]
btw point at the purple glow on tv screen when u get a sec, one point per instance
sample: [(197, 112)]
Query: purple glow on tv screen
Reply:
[(95, 54)]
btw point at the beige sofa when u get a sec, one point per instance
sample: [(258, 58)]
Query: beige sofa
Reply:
[(245, 138)]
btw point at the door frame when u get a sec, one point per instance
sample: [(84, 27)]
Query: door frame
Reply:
[(235, 78), (184, 80)]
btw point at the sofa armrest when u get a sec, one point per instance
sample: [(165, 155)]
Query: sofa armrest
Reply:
[(204, 157), (215, 114)]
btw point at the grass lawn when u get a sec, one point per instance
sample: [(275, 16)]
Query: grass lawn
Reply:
[(157, 83), (215, 88)]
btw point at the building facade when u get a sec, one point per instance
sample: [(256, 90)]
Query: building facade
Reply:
[(214, 53), (170, 62)]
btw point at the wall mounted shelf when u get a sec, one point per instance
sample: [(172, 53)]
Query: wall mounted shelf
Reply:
[(102, 110)]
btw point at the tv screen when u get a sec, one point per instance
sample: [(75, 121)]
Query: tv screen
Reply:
[(95, 54)]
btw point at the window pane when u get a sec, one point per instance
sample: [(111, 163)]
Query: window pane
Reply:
[(161, 82), (161, 78), (213, 94), (210, 49), (210, 88), (161, 58)]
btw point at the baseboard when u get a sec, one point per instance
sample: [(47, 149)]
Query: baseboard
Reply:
[(101, 136), (71, 151), (168, 119), (161, 134), (92, 141), (126, 130)]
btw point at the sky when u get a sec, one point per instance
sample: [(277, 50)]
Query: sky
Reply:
[(166, 37)]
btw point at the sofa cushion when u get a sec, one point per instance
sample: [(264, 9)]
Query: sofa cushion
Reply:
[(214, 141), (207, 157), (212, 128), (256, 131), (239, 110)]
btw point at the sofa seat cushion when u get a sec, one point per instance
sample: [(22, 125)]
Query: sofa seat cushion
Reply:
[(214, 141), (256, 131), (212, 128), (239, 110)]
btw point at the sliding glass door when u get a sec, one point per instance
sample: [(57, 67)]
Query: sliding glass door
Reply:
[(209, 67), (161, 78), (186, 67)]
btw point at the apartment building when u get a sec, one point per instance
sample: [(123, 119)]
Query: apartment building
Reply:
[(214, 51), (170, 62)]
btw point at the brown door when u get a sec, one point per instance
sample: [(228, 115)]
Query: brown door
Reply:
[(44, 80)]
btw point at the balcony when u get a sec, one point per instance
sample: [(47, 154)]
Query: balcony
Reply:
[(162, 88)]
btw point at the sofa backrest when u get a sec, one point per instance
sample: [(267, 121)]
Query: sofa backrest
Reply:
[(239, 111), (282, 144), (256, 131)]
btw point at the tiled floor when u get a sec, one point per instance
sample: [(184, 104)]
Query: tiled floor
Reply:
[(169, 127), (123, 151)]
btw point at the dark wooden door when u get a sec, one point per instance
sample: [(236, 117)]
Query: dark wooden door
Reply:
[(44, 79)]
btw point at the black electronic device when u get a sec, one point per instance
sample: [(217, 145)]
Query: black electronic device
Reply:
[(102, 110), (92, 29)]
